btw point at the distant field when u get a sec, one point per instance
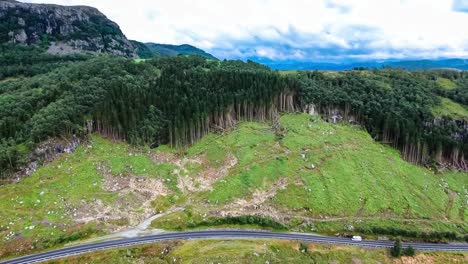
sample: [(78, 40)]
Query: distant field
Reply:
[(451, 109), (446, 83), (308, 175), (288, 72), (254, 251)]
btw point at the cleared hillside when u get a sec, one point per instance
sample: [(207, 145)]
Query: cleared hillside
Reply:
[(305, 174)]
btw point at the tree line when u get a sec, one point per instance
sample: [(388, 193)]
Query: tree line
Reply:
[(26, 61)]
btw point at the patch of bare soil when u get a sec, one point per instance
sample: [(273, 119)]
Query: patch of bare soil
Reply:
[(259, 197), (204, 179), (427, 259), (132, 205), (419, 259), (299, 181), (164, 157), (256, 204)]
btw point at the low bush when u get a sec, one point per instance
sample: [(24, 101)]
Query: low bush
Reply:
[(241, 220), (425, 236)]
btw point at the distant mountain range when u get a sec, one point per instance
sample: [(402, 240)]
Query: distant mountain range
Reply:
[(76, 29), (457, 64)]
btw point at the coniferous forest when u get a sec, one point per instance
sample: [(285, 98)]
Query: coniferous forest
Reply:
[(177, 100)]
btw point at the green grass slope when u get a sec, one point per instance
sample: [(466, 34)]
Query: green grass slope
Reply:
[(313, 172), (305, 175), (335, 170), (451, 109), (446, 84)]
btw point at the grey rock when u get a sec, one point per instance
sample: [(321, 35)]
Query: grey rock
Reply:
[(46, 152), (21, 22), (69, 29), (21, 36)]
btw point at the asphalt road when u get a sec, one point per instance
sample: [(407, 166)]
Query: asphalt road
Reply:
[(222, 234)]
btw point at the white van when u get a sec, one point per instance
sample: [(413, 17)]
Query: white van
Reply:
[(356, 238)]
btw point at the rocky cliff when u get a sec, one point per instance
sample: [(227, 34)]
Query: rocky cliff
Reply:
[(64, 29)]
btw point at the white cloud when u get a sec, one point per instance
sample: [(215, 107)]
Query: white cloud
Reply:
[(295, 29)]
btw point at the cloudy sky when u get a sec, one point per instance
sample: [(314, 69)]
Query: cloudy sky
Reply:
[(302, 30)]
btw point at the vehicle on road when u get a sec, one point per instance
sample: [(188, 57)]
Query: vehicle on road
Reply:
[(356, 238)]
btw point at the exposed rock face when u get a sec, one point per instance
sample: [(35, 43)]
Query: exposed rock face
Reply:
[(331, 114), (46, 152), (68, 29)]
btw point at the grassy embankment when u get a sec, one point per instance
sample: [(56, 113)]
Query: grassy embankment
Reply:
[(255, 251)]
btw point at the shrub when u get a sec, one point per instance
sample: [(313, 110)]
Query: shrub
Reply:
[(396, 250), (429, 237), (409, 251), (303, 248), (241, 220)]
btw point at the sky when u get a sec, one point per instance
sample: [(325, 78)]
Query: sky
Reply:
[(297, 30)]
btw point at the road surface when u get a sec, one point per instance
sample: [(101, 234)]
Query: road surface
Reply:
[(222, 234)]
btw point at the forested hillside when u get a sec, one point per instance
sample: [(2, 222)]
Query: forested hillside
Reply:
[(178, 100), (26, 61), (165, 50)]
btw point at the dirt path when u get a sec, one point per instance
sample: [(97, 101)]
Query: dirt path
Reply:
[(139, 230)]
